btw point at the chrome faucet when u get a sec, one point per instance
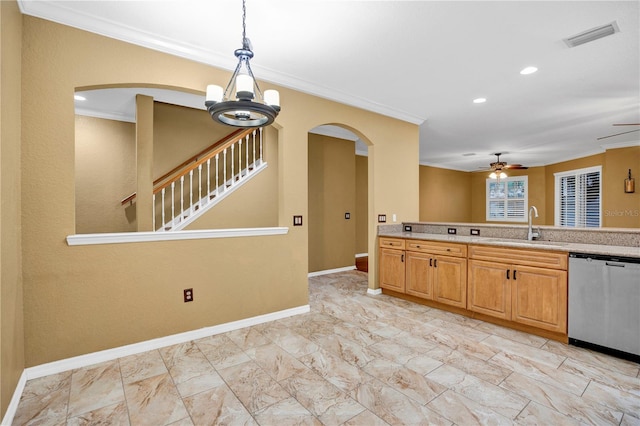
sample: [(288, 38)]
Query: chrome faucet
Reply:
[(531, 235)]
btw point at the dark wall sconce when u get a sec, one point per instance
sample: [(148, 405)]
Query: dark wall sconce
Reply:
[(629, 184)]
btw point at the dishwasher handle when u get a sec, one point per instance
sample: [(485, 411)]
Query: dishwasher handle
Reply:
[(617, 265)]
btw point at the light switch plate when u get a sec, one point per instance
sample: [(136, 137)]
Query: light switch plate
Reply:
[(297, 221), (382, 218)]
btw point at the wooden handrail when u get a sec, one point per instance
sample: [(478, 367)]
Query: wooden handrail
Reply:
[(217, 150), (216, 146)]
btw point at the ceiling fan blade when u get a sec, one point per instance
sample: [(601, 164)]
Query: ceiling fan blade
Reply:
[(626, 124), (516, 167), (618, 134)]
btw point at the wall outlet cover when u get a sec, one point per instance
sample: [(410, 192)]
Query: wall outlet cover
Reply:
[(407, 228), (475, 232), (347, 215), (188, 295), (451, 231)]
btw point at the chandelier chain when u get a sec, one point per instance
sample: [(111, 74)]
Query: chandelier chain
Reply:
[(244, 25)]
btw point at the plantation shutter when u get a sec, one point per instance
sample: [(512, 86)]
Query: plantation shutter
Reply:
[(579, 199)]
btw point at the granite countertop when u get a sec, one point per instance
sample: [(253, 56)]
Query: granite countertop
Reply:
[(562, 246)]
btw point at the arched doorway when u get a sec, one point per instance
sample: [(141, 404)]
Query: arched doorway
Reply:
[(338, 199)]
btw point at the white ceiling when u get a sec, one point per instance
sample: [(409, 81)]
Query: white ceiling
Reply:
[(420, 61)]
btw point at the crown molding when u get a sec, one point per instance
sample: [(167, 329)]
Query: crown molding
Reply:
[(61, 14)]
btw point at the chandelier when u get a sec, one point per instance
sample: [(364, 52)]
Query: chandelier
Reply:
[(242, 104)]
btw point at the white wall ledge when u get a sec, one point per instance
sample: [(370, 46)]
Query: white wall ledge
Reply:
[(145, 237)]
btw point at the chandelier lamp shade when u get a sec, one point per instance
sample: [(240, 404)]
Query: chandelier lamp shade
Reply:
[(242, 104)]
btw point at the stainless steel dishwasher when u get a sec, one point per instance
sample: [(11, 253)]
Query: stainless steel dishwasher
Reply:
[(604, 304)]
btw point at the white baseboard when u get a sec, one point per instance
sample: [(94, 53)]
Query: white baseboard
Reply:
[(115, 353), (374, 292), (331, 271), (362, 255), (7, 420), (136, 348)]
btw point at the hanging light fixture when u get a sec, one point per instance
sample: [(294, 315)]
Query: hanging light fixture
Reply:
[(242, 104)]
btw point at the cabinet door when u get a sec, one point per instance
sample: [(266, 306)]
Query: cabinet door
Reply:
[(392, 269), (489, 289), (419, 269), (450, 280), (539, 297)]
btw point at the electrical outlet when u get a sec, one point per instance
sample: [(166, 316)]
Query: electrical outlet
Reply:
[(347, 215), (382, 218), (475, 232), (407, 228), (188, 295), (451, 231)]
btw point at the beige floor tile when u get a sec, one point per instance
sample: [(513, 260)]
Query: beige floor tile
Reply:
[(42, 386), (538, 355), (154, 400), (603, 375), (597, 359), (95, 387), (141, 366), (366, 418), (536, 414), (287, 412), (582, 410), (116, 415), (44, 409), (217, 406), (613, 398), (277, 362), (464, 411), (335, 370), (481, 369), (500, 400), (394, 407), (253, 386)]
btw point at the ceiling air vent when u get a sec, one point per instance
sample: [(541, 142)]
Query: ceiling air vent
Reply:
[(592, 34)]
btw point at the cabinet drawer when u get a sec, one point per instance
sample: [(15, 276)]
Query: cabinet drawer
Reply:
[(396, 243), (539, 258), (435, 247)]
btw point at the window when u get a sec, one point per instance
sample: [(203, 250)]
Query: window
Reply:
[(507, 199), (577, 198)]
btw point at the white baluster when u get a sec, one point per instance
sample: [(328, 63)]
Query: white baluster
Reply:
[(246, 155), (191, 191), (225, 169), (240, 158), (233, 163), (254, 148), (208, 180), (181, 197), (153, 212), (163, 222), (217, 169), (173, 201), (261, 152), (200, 184)]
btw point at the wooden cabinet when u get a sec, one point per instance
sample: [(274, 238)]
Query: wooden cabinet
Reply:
[(392, 264), (504, 285), (434, 276)]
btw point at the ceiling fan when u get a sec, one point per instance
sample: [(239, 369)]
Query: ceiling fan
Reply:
[(623, 133), (498, 165)]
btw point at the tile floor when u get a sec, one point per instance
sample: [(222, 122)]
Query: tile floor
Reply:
[(355, 359)]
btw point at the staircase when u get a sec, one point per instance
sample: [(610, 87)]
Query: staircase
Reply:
[(192, 188)]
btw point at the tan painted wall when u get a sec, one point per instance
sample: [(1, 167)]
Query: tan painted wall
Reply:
[(254, 205), (361, 204), (179, 133), (445, 195), (620, 209), (87, 298), (12, 357), (105, 162), (332, 193)]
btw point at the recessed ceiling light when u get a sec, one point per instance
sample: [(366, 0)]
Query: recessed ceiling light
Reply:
[(79, 98), (528, 70), (469, 154), (479, 100)]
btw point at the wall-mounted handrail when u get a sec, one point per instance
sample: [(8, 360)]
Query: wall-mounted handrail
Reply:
[(217, 146)]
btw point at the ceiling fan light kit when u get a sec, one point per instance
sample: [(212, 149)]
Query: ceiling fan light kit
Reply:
[(242, 104)]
